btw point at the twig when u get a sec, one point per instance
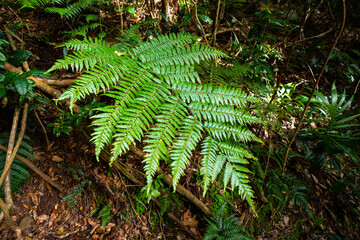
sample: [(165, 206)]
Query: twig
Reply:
[(5, 174), (314, 89), (42, 126), (216, 25), (199, 23)]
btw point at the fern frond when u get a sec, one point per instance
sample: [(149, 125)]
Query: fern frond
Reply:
[(208, 93), (99, 78), (33, 3), (209, 152), (110, 115), (236, 174), (189, 136), (174, 74), (211, 112), (161, 43), (234, 149), (162, 135), (91, 44), (88, 53), (218, 166), (137, 119), (19, 172), (223, 131), (73, 9), (188, 54)]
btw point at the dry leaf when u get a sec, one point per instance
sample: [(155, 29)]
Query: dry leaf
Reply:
[(57, 159)]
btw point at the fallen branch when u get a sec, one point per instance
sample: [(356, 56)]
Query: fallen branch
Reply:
[(36, 170)]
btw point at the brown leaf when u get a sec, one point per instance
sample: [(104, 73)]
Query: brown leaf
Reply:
[(57, 159)]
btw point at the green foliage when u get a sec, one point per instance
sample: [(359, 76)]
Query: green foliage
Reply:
[(156, 94), (335, 134), (76, 193), (19, 172), (64, 120), (221, 227), (15, 87), (104, 214)]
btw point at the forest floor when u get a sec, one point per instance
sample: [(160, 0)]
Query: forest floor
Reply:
[(70, 161)]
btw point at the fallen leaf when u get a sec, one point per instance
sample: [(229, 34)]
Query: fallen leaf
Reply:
[(57, 159)]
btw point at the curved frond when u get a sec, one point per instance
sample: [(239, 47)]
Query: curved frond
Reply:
[(137, 119), (209, 153), (189, 136), (186, 55), (110, 115), (161, 43), (162, 135), (223, 131), (174, 74), (211, 112), (99, 78), (208, 93)]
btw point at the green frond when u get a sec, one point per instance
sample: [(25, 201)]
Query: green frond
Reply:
[(188, 54), (73, 9), (110, 115), (189, 136), (174, 74), (162, 43), (33, 3), (211, 112), (88, 53), (222, 131), (234, 149), (218, 166), (99, 78), (173, 111), (137, 119), (236, 174), (209, 153), (91, 44), (208, 93)]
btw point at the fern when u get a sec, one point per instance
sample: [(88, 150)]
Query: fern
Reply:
[(221, 227), (158, 98)]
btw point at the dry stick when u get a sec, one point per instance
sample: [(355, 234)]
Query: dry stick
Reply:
[(11, 158), (216, 25), (35, 169), (6, 208), (314, 89), (199, 23), (43, 128), (5, 174)]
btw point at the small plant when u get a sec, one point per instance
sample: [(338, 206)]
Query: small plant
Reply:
[(104, 214), (64, 120), (76, 193), (333, 135), (225, 228)]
